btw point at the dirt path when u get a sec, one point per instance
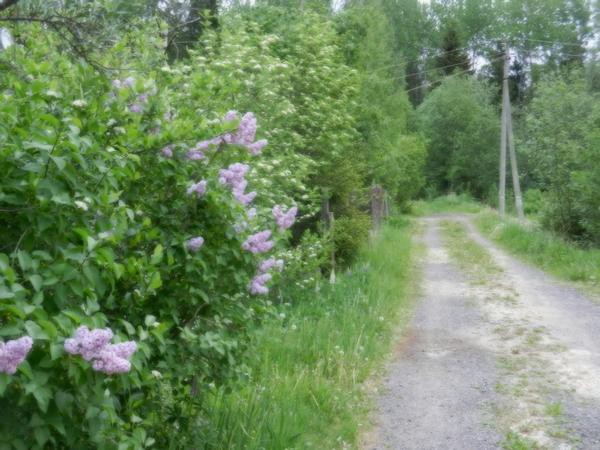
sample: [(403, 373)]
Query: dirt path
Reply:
[(511, 358)]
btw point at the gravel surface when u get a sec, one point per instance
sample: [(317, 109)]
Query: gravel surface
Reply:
[(478, 361), (437, 394)]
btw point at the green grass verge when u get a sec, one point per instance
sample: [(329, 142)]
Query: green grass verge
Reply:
[(308, 368), (544, 249), (450, 203)]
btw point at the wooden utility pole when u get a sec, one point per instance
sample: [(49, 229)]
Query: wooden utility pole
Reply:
[(513, 167), (507, 138)]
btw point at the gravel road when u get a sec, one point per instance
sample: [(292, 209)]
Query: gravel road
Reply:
[(515, 359)]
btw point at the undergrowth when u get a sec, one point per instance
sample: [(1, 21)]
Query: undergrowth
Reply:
[(308, 366), (544, 249)]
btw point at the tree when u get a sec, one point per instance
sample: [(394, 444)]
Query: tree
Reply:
[(461, 128)]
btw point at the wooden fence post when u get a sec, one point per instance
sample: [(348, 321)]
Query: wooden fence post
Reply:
[(328, 223), (377, 207)]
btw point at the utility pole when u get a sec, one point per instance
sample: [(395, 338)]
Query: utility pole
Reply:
[(502, 183), (513, 167), (508, 138)]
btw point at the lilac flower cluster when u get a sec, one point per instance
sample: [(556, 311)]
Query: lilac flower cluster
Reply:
[(270, 263), (194, 244), (198, 189), (13, 353), (283, 219), (244, 135), (128, 82), (137, 106), (94, 345), (257, 285), (197, 153), (259, 242), (234, 177), (167, 151)]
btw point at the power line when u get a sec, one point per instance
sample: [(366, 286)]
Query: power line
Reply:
[(461, 72), (552, 42), (419, 59)]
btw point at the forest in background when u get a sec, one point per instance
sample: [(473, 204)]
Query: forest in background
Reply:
[(137, 201)]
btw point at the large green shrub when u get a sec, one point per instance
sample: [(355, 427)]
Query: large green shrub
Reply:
[(96, 203), (561, 143)]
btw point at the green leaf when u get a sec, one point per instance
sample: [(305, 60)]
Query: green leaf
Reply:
[(37, 145), (157, 255), (5, 380), (42, 395), (5, 293), (4, 263), (36, 281), (35, 331), (155, 281), (25, 260), (60, 161), (91, 243), (128, 327), (42, 435), (62, 198), (63, 401)]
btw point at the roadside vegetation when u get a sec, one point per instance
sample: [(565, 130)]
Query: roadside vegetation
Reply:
[(566, 259), (307, 373), (180, 180), (544, 249)]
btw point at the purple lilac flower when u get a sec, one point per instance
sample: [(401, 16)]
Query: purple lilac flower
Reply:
[(142, 98), (246, 132), (251, 213), (268, 264), (195, 155), (167, 151), (94, 345), (283, 219), (194, 244), (88, 343), (256, 147), (136, 108), (114, 358), (234, 174), (230, 116), (199, 188), (259, 242), (244, 199), (233, 177), (13, 353), (117, 84), (128, 82), (257, 285)]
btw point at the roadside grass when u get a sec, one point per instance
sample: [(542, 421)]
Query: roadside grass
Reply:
[(451, 203), (544, 249), (308, 370)]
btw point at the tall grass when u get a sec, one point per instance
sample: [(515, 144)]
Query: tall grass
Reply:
[(307, 368), (544, 249)]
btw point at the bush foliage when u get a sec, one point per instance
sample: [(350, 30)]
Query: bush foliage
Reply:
[(118, 215)]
